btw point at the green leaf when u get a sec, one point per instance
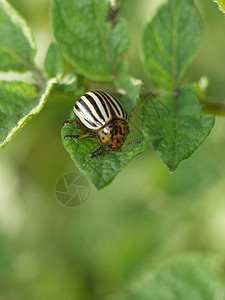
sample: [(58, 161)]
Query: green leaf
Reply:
[(221, 4), (68, 83), (17, 45), (170, 41), (188, 277), (129, 89), (93, 45), (19, 102), (102, 169), (54, 63), (175, 125)]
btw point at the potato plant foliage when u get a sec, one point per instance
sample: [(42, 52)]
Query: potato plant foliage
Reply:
[(172, 114), (96, 49)]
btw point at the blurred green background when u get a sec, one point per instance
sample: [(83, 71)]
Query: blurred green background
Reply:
[(145, 216)]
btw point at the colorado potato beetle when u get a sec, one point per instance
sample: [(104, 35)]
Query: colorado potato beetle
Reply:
[(103, 118)]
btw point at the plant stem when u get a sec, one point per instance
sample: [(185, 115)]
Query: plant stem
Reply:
[(115, 4), (214, 107), (40, 76), (113, 11)]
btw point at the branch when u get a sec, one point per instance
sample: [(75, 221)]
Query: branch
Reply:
[(113, 11), (215, 108)]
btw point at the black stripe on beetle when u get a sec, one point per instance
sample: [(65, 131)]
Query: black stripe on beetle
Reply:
[(114, 109), (91, 100), (88, 112), (103, 104)]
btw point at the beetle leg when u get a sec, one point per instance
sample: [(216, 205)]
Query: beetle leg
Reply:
[(105, 151), (68, 122), (78, 125), (131, 143), (96, 152), (80, 136), (72, 122)]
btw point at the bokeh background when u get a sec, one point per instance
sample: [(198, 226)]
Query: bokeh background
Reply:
[(145, 216)]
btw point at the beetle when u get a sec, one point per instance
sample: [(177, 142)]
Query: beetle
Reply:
[(101, 116)]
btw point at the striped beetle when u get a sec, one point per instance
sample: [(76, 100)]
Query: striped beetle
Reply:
[(104, 117)]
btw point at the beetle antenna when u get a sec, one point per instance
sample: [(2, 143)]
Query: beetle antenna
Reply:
[(131, 143)]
